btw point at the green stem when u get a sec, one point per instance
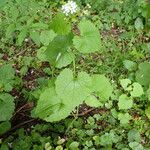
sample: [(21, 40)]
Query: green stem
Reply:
[(75, 118), (74, 66), (53, 69)]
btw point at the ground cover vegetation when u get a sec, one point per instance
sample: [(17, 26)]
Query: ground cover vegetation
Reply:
[(75, 75)]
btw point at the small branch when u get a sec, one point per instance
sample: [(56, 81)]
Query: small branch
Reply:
[(86, 112)]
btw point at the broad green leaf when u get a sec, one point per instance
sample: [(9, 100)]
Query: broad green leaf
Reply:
[(48, 100), (125, 102), (137, 90), (124, 118), (130, 65), (134, 136), (143, 74), (125, 84), (74, 146), (139, 24), (136, 146), (4, 127), (7, 74), (50, 107), (73, 91), (65, 59), (108, 139), (89, 39), (147, 112), (35, 36), (57, 47), (7, 106), (41, 54), (47, 36), (102, 87), (59, 25), (92, 101)]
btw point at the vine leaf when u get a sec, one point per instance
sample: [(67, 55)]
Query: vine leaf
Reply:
[(89, 39)]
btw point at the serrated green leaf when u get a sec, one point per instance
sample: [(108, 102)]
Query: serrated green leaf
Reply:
[(139, 24), (57, 47), (130, 65), (125, 84), (136, 146), (92, 101), (137, 90), (41, 54), (54, 106), (35, 36), (108, 139), (124, 118), (65, 59), (89, 39), (50, 107), (142, 75), (74, 146), (60, 25), (7, 106), (134, 136), (47, 36), (69, 88), (7, 74), (102, 87), (125, 102)]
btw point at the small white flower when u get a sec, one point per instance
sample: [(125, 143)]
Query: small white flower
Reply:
[(69, 8), (88, 5), (85, 12), (26, 40)]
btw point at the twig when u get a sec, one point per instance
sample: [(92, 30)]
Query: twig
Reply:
[(86, 112)]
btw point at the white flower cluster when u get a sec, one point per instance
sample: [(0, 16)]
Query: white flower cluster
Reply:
[(69, 8)]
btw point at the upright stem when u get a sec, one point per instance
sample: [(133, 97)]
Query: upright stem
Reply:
[(74, 66), (53, 69), (75, 118)]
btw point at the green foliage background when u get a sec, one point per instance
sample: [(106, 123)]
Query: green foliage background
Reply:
[(75, 82)]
